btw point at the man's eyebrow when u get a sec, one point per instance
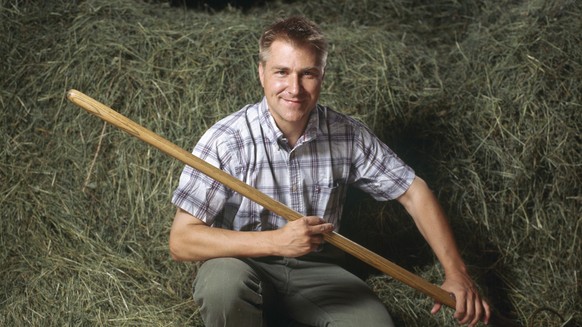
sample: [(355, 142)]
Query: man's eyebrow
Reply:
[(306, 69), (279, 68), (313, 68)]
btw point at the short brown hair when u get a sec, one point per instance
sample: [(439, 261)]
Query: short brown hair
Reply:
[(296, 30)]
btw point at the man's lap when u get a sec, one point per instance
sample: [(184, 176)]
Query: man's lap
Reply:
[(311, 292)]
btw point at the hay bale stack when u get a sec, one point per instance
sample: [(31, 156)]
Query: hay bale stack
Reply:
[(482, 99)]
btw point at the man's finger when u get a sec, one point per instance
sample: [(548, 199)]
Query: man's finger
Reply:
[(436, 308), (487, 312), (322, 229), (461, 308), (478, 312), (313, 220), (470, 301)]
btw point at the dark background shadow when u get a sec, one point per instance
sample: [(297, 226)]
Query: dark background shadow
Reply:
[(386, 228), (214, 5)]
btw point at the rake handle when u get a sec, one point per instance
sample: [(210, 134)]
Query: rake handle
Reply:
[(382, 264)]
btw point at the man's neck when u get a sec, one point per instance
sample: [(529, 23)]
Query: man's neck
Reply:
[(293, 133)]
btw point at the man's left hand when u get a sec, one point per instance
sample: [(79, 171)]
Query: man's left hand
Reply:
[(470, 306)]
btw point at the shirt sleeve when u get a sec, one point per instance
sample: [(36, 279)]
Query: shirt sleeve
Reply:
[(198, 194), (378, 170)]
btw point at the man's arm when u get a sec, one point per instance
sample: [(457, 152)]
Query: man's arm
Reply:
[(430, 219), (192, 240)]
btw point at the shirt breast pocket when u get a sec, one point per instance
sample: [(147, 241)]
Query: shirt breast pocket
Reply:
[(327, 199)]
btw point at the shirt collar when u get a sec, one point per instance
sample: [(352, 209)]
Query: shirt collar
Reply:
[(312, 126), (271, 131)]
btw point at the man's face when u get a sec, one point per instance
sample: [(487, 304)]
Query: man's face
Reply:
[(291, 78)]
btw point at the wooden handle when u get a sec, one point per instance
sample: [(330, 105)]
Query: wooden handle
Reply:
[(109, 115)]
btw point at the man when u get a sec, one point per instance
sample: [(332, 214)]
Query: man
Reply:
[(256, 266)]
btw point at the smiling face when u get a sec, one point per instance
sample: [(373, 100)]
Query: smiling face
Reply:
[(291, 77)]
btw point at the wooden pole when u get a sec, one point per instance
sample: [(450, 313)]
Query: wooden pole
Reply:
[(389, 268)]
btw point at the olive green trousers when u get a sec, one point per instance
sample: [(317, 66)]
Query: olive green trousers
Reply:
[(280, 292)]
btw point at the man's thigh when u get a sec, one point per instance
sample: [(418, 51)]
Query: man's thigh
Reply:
[(229, 293), (232, 292), (328, 295), (312, 293)]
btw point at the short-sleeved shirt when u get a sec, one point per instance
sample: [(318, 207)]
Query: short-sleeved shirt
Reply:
[(312, 178)]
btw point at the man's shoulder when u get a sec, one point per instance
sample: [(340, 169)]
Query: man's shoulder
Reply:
[(236, 122), (339, 119), (229, 135)]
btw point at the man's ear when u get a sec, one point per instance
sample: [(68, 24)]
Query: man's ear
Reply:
[(262, 74)]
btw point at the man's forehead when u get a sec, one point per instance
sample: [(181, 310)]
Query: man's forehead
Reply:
[(283, 54)]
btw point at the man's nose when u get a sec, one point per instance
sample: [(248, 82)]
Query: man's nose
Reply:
[(294, 86)]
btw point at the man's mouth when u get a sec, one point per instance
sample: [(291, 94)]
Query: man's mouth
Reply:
[(295, 101)]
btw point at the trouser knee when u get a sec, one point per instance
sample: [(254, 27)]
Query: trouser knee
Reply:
[(228, 291)]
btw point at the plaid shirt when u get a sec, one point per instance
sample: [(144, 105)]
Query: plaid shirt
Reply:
[(312, 178)]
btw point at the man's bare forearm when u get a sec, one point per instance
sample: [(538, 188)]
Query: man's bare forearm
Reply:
[(193, 240), (429, 217)]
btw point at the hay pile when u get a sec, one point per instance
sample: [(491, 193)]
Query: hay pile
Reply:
[(482, 99)]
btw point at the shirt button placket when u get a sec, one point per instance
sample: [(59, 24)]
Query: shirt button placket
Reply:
[(296, 197)]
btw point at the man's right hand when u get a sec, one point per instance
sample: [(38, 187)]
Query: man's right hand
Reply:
[(301, 236)]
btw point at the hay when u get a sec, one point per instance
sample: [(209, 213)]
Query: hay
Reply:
[(482, 99)]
